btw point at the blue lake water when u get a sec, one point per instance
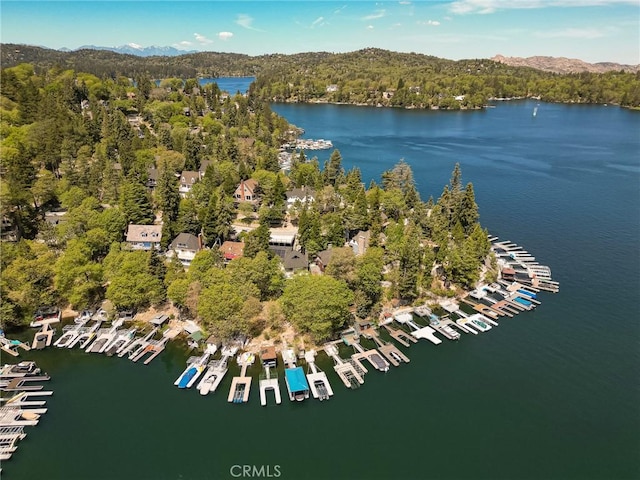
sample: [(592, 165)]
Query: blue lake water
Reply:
[(550, 394), (229, 84)]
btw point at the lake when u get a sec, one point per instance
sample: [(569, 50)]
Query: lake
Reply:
[(549, 394)]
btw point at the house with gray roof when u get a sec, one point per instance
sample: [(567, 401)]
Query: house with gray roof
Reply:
[(184, 247), (188, 179)]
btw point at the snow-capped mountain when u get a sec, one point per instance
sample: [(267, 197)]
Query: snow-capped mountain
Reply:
[(139, 50)]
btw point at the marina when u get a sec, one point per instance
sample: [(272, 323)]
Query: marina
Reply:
[(18, 410), (43, 338)]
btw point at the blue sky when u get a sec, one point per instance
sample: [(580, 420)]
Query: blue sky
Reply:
[(591, 30)]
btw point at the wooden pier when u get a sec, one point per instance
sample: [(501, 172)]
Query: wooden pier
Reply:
[(390, 351), (400, 336)]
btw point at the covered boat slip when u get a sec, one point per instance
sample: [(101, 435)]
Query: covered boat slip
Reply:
[(296, 384)]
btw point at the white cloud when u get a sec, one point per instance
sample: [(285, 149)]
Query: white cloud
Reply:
[(404, 2), (377, 14), (337, 11), (246, 21), (584, 33), (225, 35), (202, 40), (317, 21), (490, 6), (369, 27), (184, 43), (432, 23)]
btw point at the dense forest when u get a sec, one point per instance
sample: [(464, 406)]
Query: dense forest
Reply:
[(369, 76), (83, 149)]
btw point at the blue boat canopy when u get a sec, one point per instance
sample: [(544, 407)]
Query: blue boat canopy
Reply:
[(296, 380)]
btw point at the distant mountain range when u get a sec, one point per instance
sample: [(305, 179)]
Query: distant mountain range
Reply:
[(564, 65), (135, 49)]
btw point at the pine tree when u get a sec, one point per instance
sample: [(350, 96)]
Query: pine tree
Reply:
[(167, 193), (135, 202)]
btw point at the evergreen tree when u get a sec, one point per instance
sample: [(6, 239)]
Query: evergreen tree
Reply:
[(135, 203), (257, 241), (468, 214), (167, 193), (333, 168)]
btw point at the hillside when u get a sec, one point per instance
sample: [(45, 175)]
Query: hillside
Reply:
[(370, 76), (564, 65)]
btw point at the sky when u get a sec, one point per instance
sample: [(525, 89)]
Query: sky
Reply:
[(590, 30)]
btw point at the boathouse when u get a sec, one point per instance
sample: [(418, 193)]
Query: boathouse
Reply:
[(297, 384), (269, 357)]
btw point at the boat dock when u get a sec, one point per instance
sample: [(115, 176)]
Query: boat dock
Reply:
[(373, 356), (318, 381), (419, 332), (153, 347), (241, 385), (393, 353), (85, 335), (104, 337), (400, 336), (23, 383), (137, 343), (43, 338), (121, 341), (11, 346), (269, 381), (213, 376), (15, 413), (347, 372)]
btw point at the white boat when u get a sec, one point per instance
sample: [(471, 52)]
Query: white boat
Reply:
[(214, 375), (69, 333), (195, 367), (121, 341)]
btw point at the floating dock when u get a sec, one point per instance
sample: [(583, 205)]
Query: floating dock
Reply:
[(153, 348), (104, 337), (269, 381), (138, 344), (419, 332), (43, 338), (372, 356), (318, 381), (241, 385), (393, 353), (347, 372), (15, 413), (400, 336), (11, 346), (121, 341)]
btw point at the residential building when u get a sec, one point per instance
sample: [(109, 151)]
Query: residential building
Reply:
[(246, 191), (188, 179), (184, 247), (303, 195), (231, 250), (360, 242), (144, 237)]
